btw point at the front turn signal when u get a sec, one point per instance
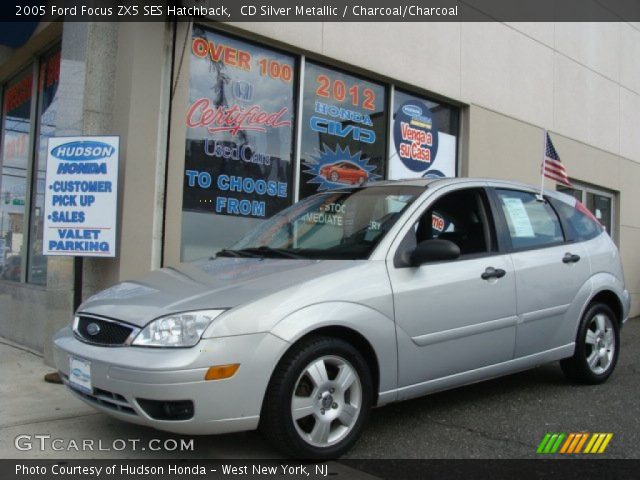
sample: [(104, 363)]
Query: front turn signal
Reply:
[(220, 372)]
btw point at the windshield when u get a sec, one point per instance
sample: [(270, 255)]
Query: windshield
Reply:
[(345, 224)]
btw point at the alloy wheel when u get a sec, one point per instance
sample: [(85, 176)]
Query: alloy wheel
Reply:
[(600, 343), (326, 401)]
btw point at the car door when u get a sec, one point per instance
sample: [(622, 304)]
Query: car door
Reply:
[(458, 315), (549, 272)]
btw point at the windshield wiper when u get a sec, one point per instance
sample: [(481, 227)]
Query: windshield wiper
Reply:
[(270, 250), (244, 253), (258, 252)]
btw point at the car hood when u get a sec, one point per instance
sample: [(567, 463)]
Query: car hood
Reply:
[(219, 283)]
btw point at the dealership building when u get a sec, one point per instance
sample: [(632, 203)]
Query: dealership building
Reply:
[(222, 125)]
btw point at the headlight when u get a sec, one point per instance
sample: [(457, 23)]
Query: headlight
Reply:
[(178, 330)]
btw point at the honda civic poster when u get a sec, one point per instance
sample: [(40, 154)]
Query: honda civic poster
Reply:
[(343, 130)]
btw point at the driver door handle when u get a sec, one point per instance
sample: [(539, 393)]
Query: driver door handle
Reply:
[(570, 258), (491, 272)]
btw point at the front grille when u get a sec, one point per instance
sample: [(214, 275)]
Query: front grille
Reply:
[(102, 331)]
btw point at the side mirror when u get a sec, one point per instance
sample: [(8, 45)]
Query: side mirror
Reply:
[(434, 250)]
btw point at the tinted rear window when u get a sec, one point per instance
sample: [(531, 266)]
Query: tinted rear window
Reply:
[(581, 226)]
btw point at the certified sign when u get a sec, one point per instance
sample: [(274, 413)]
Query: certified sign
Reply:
[(81, 196)]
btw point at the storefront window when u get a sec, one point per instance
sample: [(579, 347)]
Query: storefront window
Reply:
[(424, 138), (239, 149), (343, 130), (601, 207), (49, 76), (16, 126)]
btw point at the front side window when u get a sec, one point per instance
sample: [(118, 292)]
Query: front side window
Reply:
[(346, 224), (461, 217), (532, 223)]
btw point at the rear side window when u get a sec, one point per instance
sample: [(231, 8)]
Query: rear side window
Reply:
[(580, 221), (532, 223)]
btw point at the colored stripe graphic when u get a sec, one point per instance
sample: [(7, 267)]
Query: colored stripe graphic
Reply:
[(598, 443), (572, 443), (551, 442)]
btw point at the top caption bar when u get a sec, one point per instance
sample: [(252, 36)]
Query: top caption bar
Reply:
[(325, 11)]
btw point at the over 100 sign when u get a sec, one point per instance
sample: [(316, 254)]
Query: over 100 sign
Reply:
[(81, 196)]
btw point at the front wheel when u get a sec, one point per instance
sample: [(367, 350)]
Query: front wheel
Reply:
[(318, 399), (597, 347)]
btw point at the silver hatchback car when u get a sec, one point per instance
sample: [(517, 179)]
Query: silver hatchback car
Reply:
[(352, 299)]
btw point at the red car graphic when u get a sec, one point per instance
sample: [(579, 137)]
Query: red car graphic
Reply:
[(344, 172)]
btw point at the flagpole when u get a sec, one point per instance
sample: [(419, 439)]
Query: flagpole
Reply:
[(544, 161)]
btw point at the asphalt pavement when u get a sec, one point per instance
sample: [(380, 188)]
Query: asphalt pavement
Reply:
[(502, 418)]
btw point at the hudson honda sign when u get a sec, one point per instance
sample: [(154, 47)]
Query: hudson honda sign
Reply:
[(81, 196)]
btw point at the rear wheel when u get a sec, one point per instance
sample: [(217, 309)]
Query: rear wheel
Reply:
[(597, 347), (318, 399)]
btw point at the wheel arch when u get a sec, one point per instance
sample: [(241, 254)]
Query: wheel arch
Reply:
[(371, 332), (610, 299), (357, 340)]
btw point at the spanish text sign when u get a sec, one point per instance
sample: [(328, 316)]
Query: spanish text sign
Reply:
[(81, 196)]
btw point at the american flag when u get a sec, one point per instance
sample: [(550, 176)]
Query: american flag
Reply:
[(552, 166)]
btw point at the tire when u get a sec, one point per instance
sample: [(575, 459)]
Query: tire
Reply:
[(597, 347), (334, 177), (331, 418)]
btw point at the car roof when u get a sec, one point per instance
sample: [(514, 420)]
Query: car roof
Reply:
[(493, 182)]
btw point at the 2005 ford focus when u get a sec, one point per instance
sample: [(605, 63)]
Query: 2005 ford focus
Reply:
[(353, 299)]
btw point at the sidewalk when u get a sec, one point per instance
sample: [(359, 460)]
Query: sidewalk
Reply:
[(26, 398)]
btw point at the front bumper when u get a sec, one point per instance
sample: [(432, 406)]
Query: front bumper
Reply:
[(121, 375)]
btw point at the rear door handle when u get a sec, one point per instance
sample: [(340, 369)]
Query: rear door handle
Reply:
[(570, 258), (491, 272)]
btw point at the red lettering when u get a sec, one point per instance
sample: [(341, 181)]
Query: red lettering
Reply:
[(235, 118), (221, 53), (244, 60), (413, 134)]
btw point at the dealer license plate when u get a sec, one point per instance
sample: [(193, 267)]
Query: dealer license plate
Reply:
[(80, 374)]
